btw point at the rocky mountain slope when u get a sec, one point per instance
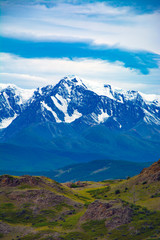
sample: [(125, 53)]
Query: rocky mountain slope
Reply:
[(70, 100), (70, 123), (150, 174), (12, 103), (40, 208)]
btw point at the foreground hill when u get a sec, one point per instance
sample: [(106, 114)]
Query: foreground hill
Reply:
[(40, 208), (70, 123)]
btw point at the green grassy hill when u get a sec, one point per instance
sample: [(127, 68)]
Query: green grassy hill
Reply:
[(41, 208)]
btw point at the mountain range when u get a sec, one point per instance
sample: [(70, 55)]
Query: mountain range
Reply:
[(89, 171), (67, 123)]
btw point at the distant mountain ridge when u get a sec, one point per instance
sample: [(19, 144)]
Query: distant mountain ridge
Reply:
[(91, 171), (69, 123)]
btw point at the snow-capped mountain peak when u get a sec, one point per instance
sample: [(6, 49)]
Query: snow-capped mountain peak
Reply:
[(70, 82), (22, 94), (12, 102), (74, 80), (129, 95), (5, 85), (151, 98), (71, 101)]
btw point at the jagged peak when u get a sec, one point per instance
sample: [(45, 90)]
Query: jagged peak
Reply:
[(73, 80), (150, 98), (7, 85), (24, 94)]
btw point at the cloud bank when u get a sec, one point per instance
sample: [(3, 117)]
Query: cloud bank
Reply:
[(96, 22), (102, 41), (38, 72)]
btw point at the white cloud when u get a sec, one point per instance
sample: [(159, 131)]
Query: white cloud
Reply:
[(96, 22), (31, 73)]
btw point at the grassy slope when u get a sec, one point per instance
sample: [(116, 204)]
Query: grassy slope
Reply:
[(145, 223)]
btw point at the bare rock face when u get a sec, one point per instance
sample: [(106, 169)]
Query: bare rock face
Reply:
[(5, 228), (119, 217), (114, 212), (76, 184), (150, 174)]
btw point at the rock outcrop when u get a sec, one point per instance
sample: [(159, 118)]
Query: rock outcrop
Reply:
[(150, 174), (7, 180), (76, 184), (5, 228), (115, 213)]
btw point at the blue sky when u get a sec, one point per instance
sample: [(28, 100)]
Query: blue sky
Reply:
[(114, 42)]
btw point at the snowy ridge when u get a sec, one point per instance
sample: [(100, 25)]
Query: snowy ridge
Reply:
[(150, 118), (45, 106), (5, 85), (24, 94), (71, 101), (6, 122), (12, 101), (151, 98), (62, 105), (120, 95), (74, 79)]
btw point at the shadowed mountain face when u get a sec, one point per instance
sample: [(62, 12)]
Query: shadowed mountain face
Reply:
[(68, 123), (91, 171), (71, 101)]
